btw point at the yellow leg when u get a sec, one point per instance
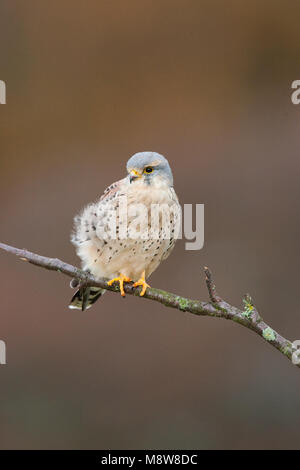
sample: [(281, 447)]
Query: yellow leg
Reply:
[(142, 282), (121, 279)]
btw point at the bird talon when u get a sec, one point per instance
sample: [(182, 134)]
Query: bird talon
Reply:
[(121, 279), (142, 282)]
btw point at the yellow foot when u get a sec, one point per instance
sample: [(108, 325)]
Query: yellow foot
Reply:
[(142, 282), (121, 279)]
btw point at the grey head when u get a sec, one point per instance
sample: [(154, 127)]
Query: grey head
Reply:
[(151, 167)]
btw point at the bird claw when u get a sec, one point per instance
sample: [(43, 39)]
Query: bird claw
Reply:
[(142, 282), (121, 279)]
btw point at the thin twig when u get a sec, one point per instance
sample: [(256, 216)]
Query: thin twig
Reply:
[(248, 317), (212, 291)]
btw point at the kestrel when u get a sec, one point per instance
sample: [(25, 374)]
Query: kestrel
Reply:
[(125, 235)]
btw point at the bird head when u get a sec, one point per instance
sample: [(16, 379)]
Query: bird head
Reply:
[(149, 168)]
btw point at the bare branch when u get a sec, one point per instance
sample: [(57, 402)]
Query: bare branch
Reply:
[(211, 286), (249, 317)]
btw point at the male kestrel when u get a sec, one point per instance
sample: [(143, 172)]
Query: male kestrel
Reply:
[(125, 235)]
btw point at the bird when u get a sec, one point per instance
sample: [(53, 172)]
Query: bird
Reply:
[(118, 238)]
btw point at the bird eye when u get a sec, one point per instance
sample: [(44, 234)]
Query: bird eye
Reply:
[(148, 169)]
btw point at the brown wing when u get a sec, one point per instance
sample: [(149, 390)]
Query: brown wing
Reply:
[(112, 190), (86, 222)]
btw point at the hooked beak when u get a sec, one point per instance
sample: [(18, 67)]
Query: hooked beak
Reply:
[(133, 175)]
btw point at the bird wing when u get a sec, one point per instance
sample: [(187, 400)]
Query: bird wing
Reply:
[(85, 223), (112, 191)]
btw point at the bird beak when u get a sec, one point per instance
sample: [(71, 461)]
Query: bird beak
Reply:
[(133, 175)]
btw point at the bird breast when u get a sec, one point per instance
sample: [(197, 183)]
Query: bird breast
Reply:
[(130, 255)]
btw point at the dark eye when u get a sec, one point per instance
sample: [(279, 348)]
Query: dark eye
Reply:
[(148, 169)]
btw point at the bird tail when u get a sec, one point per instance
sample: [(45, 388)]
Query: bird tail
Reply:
[(85, 297)]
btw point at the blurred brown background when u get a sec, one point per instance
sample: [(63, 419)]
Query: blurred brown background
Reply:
[(206, 83)]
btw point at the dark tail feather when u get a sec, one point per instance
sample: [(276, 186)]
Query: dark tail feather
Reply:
[(85, 297)]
